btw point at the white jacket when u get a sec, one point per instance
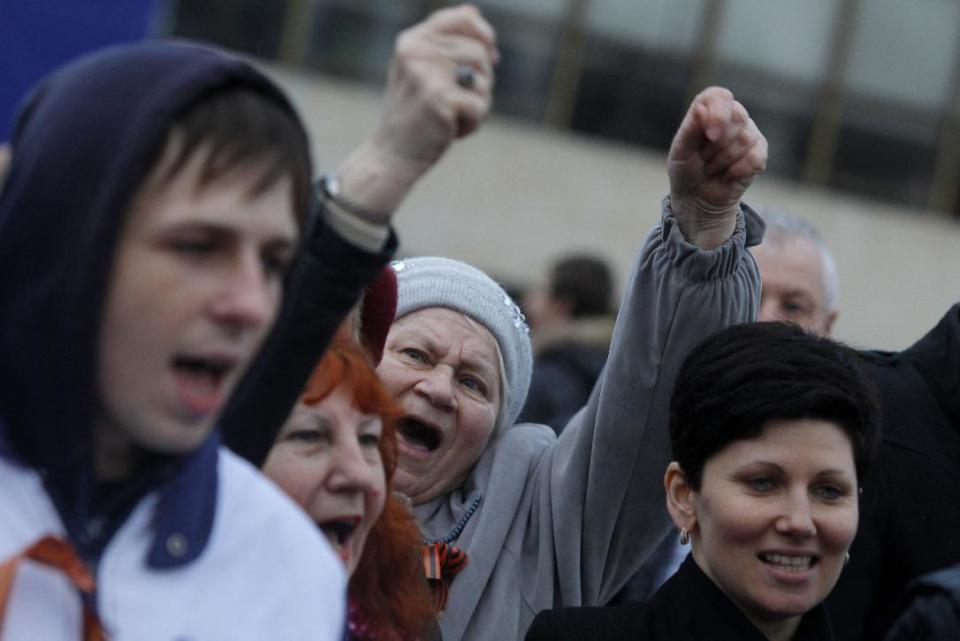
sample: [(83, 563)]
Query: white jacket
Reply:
[(265, 573)]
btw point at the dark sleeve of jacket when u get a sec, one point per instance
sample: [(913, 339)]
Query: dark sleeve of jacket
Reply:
[(553, 625), (545, 626), (323, 287), (933, 609), (585, 624)]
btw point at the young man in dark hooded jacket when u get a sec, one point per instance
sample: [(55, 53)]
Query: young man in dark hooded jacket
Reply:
[(152, 207), (154, 201)]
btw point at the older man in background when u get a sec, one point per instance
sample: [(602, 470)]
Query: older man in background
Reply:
[(798, 274), (571, 318)]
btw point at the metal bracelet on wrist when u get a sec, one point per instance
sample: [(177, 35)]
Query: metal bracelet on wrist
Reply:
[(330, 190)]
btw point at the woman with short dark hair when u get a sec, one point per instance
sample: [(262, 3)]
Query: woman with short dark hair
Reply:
[(772, 431)]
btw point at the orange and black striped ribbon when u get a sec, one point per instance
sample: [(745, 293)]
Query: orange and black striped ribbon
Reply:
[(441, 563), (59, 554)]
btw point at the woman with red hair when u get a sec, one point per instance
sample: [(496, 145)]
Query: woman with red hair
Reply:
[(335, 456)]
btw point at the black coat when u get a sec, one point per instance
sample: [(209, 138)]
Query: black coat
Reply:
[(563, 377), (910, 510), (933, 609), (688, 607)]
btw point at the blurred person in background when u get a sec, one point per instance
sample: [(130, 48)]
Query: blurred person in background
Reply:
[(772, 430), (571, 324), (798, 273)]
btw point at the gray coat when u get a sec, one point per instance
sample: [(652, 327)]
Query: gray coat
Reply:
[(566, 521)]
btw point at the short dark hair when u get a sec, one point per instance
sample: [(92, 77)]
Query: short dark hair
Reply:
[(745, 376), (244, 126), (585, 282)]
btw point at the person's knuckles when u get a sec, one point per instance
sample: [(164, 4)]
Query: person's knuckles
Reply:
[(455, 110), (472, 54), (760, 147), (749, 165), (743, 140), (443, 56), (437, 91), (409, 45), (736, 162), (442, 18), (740, 172), (713, 95), (689, 135), (466, 20), (483, 31), (738, 112), (420, 92), (732, 127), (759, 158), (479, 25)]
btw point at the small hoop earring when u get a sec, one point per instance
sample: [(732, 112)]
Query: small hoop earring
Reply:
[(684, 536), (846, 558)]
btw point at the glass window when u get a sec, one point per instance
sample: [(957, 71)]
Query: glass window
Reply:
[(664, 25), (540, 9), (905, 51), (782, 37), (639, 63)]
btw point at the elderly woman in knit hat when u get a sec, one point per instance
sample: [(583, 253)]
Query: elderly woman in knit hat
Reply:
[(515, 519), (540, 520), (529, 520)]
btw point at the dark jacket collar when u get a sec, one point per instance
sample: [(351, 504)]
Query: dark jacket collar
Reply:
[(690, 596), (186, 509)]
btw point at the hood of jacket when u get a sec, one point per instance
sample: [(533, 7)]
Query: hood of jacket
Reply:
[(83, 142)]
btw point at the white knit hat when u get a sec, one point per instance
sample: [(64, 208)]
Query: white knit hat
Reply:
[(430, 281)]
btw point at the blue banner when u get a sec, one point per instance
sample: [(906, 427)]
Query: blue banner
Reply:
[(36, 36)]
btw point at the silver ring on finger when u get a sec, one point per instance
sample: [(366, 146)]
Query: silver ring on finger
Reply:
[(466, 76)]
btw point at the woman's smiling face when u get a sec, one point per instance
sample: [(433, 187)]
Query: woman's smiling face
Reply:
[(774, 517)]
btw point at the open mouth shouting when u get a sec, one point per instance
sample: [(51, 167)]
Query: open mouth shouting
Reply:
[(418, 436), (200, 381), (339, 532)]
